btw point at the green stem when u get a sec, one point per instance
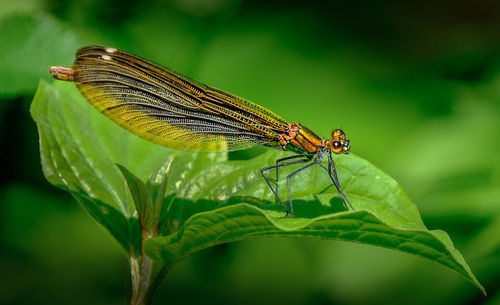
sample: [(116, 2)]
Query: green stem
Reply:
[(146, 276)]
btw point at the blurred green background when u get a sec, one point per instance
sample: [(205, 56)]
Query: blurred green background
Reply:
[(415, 86)]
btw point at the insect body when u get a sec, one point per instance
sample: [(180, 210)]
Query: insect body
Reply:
[(176, 111)]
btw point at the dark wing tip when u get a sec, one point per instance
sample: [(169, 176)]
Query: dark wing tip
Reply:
[(92, 49)]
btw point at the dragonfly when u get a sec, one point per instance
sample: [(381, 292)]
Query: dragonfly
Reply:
[(176, 111)]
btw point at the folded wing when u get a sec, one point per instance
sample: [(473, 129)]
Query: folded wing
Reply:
[(169, 108)]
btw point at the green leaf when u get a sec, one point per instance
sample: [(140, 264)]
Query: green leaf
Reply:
[(209, 200), (142, 197), (243, 221), (31, 43)]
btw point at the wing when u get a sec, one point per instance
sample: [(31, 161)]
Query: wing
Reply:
[(169, 108)]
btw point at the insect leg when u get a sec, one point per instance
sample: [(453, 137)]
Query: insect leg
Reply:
[(281, 160), (318, 161), (332, 172), (276, 166)]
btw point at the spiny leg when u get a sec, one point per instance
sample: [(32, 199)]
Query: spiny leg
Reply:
[(335, 179), (280, 165), (281, 160), (296, 172)]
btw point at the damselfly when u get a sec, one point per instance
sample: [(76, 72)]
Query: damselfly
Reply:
[(176, 111)]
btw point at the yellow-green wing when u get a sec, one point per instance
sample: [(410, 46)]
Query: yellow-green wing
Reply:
[(169, 108)]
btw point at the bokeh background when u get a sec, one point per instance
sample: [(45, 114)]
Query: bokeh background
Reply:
[(416, 86)]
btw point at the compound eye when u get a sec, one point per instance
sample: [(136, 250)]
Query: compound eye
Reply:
[(337, 133), (337, 147)]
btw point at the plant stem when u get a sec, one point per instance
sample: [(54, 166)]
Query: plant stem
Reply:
[(141, 271), (146, 275)]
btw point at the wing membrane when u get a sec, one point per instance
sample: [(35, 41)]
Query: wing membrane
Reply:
[(169, 108)]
